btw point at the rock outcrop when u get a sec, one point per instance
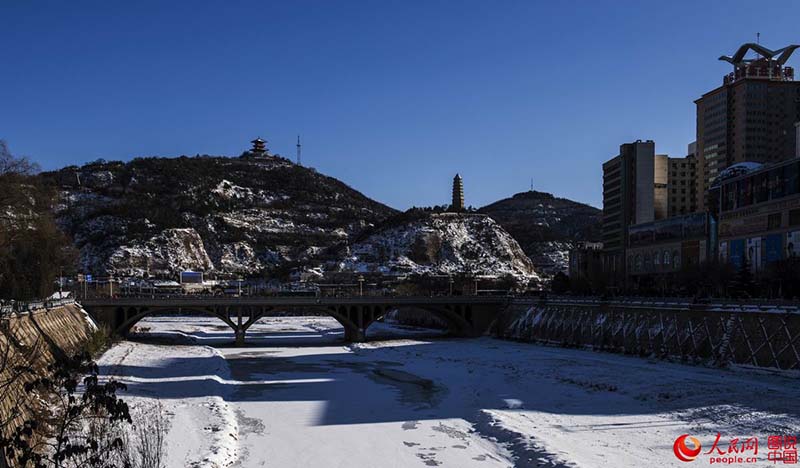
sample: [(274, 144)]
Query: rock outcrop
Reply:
[(440, 244)]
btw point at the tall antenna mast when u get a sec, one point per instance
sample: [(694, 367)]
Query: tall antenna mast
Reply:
[(531, 184), (298, 151)]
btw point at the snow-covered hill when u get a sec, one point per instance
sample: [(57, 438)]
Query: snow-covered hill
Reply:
[(242, 216), (444, 243), (546, 226), (265, 216)]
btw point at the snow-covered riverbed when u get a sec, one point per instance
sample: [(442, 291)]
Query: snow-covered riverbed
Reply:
[(297, 396)]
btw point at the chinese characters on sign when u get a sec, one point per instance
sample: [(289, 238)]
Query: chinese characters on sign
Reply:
[(781, 449)]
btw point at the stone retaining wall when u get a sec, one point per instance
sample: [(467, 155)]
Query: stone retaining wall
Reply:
[(33, 340), (762, 336)]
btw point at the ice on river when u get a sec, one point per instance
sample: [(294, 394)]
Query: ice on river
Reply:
[(298, 396)]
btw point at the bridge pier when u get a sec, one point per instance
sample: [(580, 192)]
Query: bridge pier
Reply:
[(239, 333), (354, 335)]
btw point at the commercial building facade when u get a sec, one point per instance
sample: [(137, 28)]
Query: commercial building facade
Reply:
[(585, 261), (661, 248), (758, 214), (750, 117), (628, 198)]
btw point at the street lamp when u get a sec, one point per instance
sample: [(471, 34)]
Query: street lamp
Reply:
[(240, 285), (360, 285)]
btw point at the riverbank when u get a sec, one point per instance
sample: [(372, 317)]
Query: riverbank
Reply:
[(299, 396)]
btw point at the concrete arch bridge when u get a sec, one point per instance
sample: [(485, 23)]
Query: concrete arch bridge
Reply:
[(464, 315)]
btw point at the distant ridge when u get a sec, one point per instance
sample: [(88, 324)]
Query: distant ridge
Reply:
[(546, 226)]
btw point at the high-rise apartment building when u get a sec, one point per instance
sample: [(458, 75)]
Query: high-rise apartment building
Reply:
[(628, 198), (750, 117), (681, 188), (660, 186)]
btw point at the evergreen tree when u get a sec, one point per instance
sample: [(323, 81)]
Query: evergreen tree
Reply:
[(743, 283)]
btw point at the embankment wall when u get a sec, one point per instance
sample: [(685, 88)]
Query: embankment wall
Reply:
[(718, 334), (29, 342)]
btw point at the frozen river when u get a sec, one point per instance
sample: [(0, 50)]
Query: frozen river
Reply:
[(298, 396)]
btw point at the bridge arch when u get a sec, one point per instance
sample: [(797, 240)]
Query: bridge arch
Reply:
[(134, 315), (455, 317), (354, 319)]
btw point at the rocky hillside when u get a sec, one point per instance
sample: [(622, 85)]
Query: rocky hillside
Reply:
[(441, 244), (253, 216), (546, 226), (244, 216)]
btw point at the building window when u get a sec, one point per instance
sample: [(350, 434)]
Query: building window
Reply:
[(666, 258), (638, 263), (774, 221), (792, 175), (794, 217), (760, 188), (676, 260)]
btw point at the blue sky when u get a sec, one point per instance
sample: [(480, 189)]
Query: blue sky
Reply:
[(392, 97)]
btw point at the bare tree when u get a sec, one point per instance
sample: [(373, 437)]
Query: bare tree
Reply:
[(77, 424), (145, 445), (15, 165), (33, 249)]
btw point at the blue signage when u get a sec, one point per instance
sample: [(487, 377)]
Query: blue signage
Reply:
[(737, 252), (774, 244)]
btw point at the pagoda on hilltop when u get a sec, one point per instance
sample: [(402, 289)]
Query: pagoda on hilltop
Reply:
[(259, 149), (458, 194)]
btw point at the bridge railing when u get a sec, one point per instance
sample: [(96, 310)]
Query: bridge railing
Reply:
[(206, 297), (25, 307), (756, 305)]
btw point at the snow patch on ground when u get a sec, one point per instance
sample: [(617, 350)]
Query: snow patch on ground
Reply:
[(203, 428), (297, 395)]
